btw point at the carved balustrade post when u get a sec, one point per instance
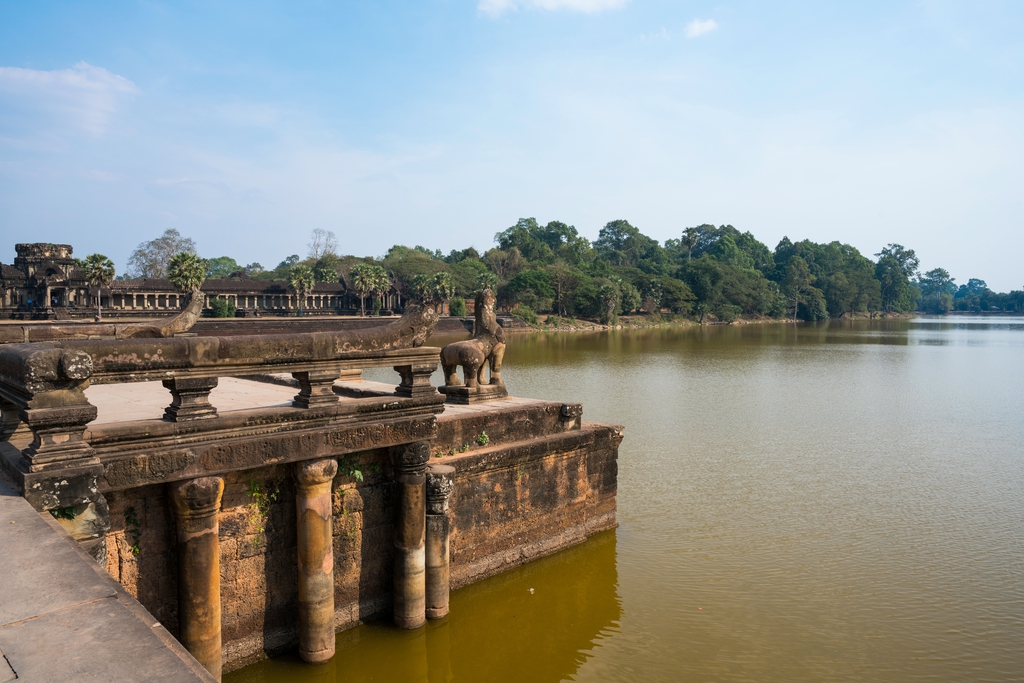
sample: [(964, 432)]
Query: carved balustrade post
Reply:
[(196, 503), (416, 380), (316, 388), (44, 387), (313, 507), (409, 463), (190, 398), (440, 484)]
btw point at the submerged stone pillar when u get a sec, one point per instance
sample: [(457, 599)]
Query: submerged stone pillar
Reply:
[(313, 508), (440, 483), (196, 503), (410, 462)]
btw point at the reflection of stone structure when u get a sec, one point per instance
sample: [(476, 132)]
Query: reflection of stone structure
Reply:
[(45, 283), (485, 350)]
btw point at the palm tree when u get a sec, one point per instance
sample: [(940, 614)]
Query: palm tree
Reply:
[(381, 282), (301, 280), (186, 271), (444, 287), (433, 289), (366, 278), (99, 270)]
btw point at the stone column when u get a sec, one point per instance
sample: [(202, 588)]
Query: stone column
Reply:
[(313, 507), (409, 463), (440, 483), (196, 503)]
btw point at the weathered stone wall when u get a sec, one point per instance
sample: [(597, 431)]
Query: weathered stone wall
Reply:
[(543, 482)]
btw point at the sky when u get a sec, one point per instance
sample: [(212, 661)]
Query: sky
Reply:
[(247, 125)]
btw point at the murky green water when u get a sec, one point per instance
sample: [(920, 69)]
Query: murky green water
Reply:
[(796, 503)]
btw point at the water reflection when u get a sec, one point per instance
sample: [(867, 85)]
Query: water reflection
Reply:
[(538, 624)]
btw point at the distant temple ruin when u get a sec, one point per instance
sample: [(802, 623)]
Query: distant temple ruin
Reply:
[(44, 283)]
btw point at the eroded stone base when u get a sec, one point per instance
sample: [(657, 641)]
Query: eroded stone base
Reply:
[(463, 395)]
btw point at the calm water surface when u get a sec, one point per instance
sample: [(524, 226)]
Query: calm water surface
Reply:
[(842, 502)]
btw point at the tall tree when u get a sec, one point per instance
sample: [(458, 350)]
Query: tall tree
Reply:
[(99, 270), (799, 287), (564, 279), (896, 265), (367, 278), (152, 259), (937, 290), (322, 242), (301, 280), (186, 271), (222, 266), (689, 241)]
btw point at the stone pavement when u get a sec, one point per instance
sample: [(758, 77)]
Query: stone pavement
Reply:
[(147, 400), (63, 618)]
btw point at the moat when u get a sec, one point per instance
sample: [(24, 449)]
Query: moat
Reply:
[(796, 503)]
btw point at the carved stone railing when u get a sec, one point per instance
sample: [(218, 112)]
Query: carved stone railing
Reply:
[(63, 465), (67, 465)]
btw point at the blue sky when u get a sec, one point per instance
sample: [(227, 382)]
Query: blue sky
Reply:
[(247, 125)]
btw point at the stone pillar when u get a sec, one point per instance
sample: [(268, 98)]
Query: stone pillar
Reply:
[(190, 398), (416, 380), (316, 388), (196, 503), (313, 507), (409, 463), (440, 483)]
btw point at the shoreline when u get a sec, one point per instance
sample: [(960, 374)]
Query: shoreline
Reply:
[(642, 322)]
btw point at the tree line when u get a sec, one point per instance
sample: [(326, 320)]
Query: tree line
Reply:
[(708, 272)]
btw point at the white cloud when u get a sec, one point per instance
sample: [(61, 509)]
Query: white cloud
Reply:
[(654, 36), (699, 27), (85, 96), (496, 8)]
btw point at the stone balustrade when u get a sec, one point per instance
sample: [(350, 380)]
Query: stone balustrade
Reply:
[(66, 467)]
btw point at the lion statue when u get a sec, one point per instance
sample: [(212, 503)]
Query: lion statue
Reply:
[(486, 348)]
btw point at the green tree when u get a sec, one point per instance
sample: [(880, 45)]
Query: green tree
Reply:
[(937, 290), (896, 266), (186, 271), (433, 289), (381, 284), (99, 271), (366, 278), (457, 307), (704, 276), (610, 297), (222, 266), (800, 290), (630, 297), (531, 288), (506, 263), (689, 241), (486, 280), (222, 308), (621, 244), (564, 279), (301, 280)]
